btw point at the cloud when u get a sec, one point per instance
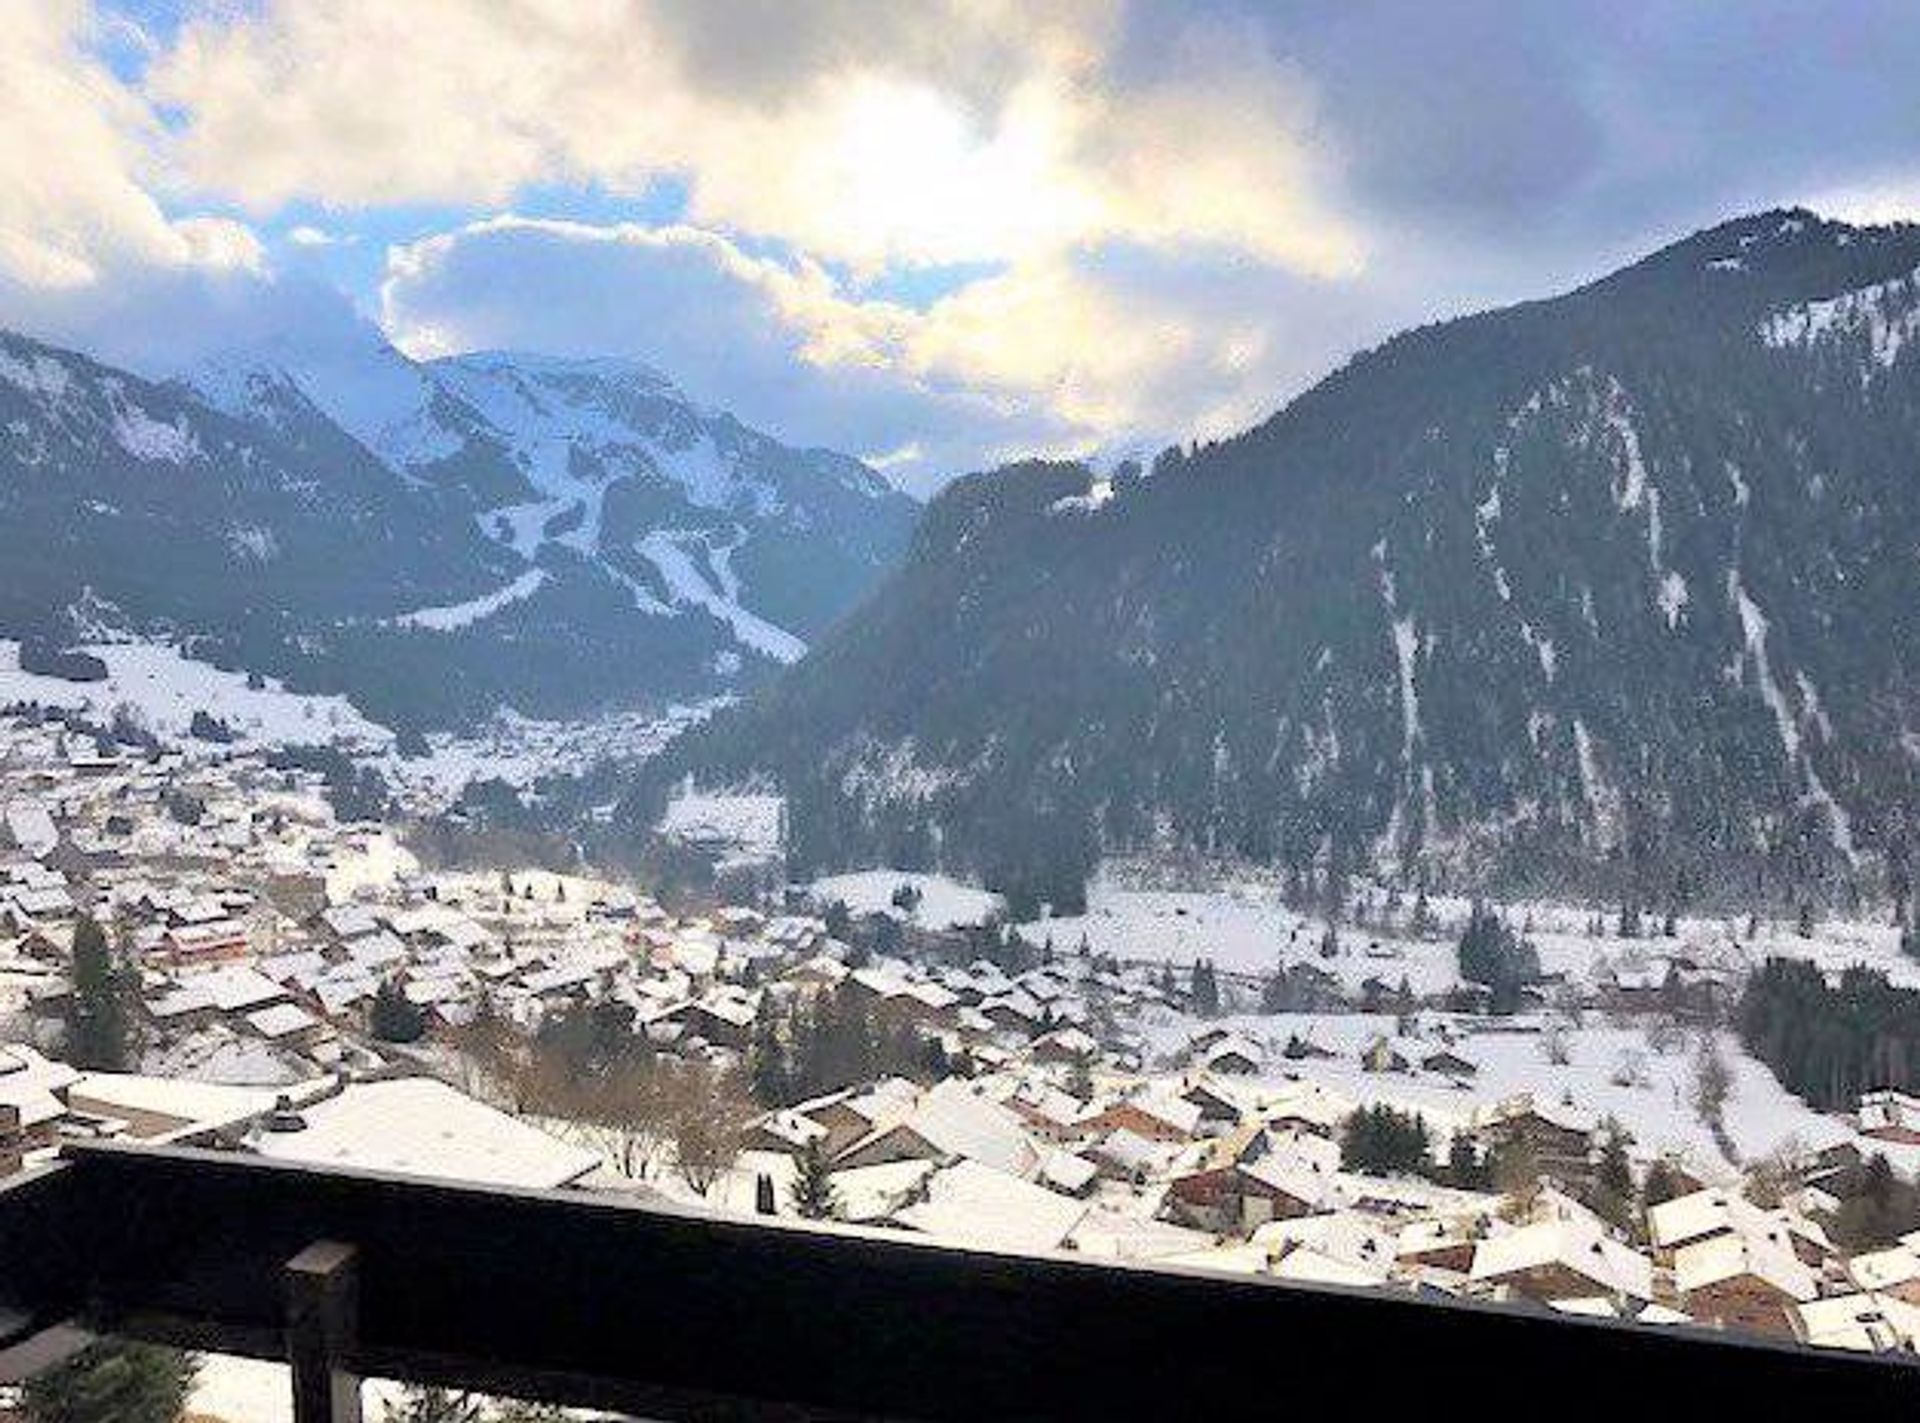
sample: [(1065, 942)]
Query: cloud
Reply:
[(838, 128), (779, 344), (1115, 348), (307, 235), (88, 255)]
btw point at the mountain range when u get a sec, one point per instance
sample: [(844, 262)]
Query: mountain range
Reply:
[(438, 539), (1620, 587)]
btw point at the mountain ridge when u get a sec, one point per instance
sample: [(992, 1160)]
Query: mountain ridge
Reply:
[(1545, 590), (355, 522)]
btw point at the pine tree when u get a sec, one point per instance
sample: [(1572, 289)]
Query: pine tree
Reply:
[(393, 1018), (100, 1033), (813, 1195), (113, 1382), (1205, 989)]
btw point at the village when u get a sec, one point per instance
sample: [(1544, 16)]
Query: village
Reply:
[(883, 1052)]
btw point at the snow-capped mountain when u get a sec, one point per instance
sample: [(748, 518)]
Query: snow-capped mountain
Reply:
[(1619, 586), (602, 468), (438, 540)]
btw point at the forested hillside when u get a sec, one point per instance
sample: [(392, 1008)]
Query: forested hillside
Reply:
[(1620, 586)]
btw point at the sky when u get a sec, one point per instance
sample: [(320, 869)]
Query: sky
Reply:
[(937, 234)]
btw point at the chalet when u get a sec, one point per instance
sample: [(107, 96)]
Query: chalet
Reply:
[(1015, 1012), (1069, 1173), (1067, 1045), (1219, 1102), (1328, 1247), (973, 1203), (1235, 1055), (1448, 1063), (1047, 1111), (214, 941), (1704, 1214), (1890, 1116), (1153, 1114), (1559, 1135), (950, 1121), (1866, 1323), (1558, 1259), (724, 1017), (286, 1025), (1120, 1155), (785, 1130), (1745, 1282), (849, 1117), (1893, 1272), (31, 1088)]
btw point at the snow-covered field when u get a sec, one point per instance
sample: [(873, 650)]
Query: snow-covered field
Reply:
[(944, 903), (746, 821), (1241, 927), (1244, 927), (164, 688), (1609, 1071)]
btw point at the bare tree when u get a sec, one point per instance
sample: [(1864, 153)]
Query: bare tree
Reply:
[(709, 1113), (637, 1102), (1712, 1086)]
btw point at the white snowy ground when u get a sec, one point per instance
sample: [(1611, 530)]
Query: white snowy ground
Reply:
[(1244, 927), (165, 689), (1655, 1106), (236, 1390), (944, 903), (458, 615)]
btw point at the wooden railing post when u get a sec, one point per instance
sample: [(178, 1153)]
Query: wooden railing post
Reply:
[(322, 1304)]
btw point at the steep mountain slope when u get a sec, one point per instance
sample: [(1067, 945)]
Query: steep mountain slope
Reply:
[(138, 494), (605, 472), (1622, 585), (437, 541)]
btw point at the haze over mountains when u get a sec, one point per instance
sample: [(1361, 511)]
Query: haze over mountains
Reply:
[(1621, 585), (439, 539)]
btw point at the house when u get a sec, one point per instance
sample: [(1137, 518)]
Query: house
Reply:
[(1866, 1323), (286, 1025), (1221, 1103), (724, 1017), (1703, 1214), (167, 1110), (31, 1088), (1557, 1259), (1155, 1114), (1248, 1177), (1746, 1282), (1559, 1135), (212, 941), (971, 1203), (1236, 1055), (1890, 1116), (1893, 1272), (1064, 1045), (851, 1116), (416, 1126), (1448, 1063), (950, 1120)]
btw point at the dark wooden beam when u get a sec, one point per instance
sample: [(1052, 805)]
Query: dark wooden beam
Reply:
[(672, 1314)]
